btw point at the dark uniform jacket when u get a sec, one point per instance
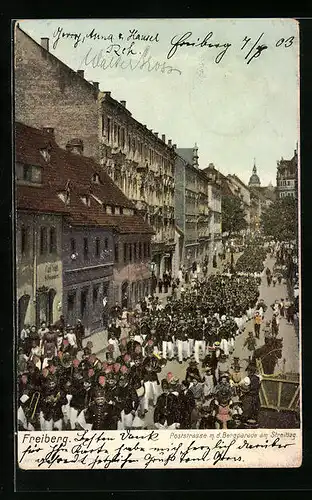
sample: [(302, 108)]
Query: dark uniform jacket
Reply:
[(167, 409), (127, 399), (151, 368), (51, 403), (102, 416)]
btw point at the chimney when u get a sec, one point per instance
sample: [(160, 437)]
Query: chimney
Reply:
[(75, 146), (48, 130), (123, 103), (163, 138), (169, 143), (156, 134), (108, 94), (96, 85), (45, 43), (174, 146), (80, 72)]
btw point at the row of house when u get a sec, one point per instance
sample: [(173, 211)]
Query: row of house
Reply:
[(79, 240), (98, 207)]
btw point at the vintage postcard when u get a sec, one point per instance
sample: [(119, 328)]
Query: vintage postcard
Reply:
[(157, 243)]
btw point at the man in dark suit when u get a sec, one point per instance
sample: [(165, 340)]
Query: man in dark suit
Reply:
[(186, 405)]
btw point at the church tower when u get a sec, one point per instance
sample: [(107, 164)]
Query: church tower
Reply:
[(254, 180)]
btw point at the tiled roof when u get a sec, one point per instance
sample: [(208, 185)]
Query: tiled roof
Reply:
[(77, 170), (39, 199)]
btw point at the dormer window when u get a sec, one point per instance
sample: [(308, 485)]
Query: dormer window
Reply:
[(86, 200), (65, 197), (45, 152), (96, 178)]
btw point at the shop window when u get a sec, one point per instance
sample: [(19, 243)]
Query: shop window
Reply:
[(97, 247), (71, 301), (130, 252), (72, 246), (24, 240), (106, 243), (134, 251), (116, 252), (53, 243), (43, 240), (96, 292), (85, 248), (125, 252)]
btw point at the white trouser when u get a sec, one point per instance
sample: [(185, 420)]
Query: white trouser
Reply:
[(125, 421), (167, 345), (224, 346), (175, 425), (58, 424), (48, 425), (151, 392), (183, 349), (22, 417), (73, 415), (199, 344), (82, 421), (191, 344)]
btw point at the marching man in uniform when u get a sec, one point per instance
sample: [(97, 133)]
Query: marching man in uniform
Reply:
[(166, 413), (151, 368), (127, 400), (53, 398)]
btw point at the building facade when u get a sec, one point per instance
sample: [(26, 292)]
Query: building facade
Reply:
[(88, 267), (261, 198), (81, 224), (287, 177), (239, 189), (39, 265), (215, 218), (50, 94), (142, 166), (192, 211)]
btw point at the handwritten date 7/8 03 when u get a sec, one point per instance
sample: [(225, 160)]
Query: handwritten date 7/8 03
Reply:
[(252, 48)]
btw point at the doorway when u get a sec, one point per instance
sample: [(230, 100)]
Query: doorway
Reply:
[(125, 295), (83, 305), (51, 297)]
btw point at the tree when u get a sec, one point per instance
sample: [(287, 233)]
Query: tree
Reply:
[(280, 219), (233, 215)]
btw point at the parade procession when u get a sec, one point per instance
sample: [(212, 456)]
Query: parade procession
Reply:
[(153, 289), (212, 382)]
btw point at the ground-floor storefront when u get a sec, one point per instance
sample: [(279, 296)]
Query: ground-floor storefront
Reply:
[(39, 294)]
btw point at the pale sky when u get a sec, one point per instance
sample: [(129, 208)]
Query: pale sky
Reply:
[(234, 111)]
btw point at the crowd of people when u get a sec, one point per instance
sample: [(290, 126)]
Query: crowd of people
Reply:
[(65, 386)]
